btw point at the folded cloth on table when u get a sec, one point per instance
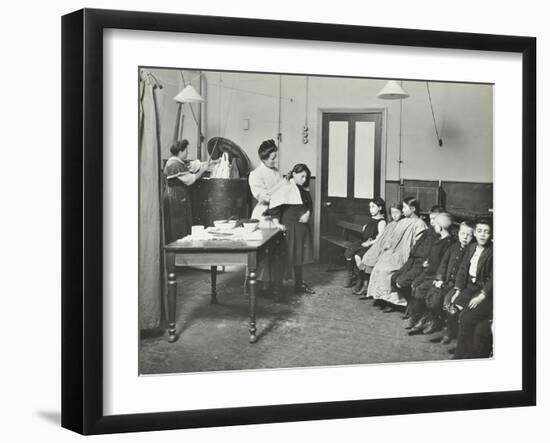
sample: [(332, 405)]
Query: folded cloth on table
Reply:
[(233, 234), (252, 236), (197, 237)]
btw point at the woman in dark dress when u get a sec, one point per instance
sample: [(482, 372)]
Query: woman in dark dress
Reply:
[(177, 197), (354, 253), (291, 208)]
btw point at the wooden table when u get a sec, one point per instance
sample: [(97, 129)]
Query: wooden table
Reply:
[(216, 253)]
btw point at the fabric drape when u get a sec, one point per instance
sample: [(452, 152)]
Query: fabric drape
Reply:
[(150, 226), (388, 254)]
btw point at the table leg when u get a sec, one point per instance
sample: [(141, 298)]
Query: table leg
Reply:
[(172, 291), (213, 275), (252, 299)]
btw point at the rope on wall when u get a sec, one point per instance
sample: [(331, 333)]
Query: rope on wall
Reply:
[(279, 133), (305, 129), (400, 158), (191, 107)]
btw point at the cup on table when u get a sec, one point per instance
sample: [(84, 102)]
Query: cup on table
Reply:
[(197, 230)]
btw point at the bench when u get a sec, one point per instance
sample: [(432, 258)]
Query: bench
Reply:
[(343, 241)]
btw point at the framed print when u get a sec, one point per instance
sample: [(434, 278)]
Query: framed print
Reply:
[(270, 221)]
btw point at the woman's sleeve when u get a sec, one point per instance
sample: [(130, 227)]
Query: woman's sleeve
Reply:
[(257, 188), (172, 170), (188, 179), (169, 170)]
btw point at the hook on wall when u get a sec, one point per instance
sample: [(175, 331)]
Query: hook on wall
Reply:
[(150, 79)]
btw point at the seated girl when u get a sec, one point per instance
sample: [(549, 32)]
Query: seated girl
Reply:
[(386, 257), (383, 242), (372, 229), (290, 208)]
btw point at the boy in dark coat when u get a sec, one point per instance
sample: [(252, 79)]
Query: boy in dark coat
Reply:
[(474, 292), (420, 319), (438, 299), (401, 280)]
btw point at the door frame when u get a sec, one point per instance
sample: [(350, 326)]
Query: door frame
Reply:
[(319, 153)]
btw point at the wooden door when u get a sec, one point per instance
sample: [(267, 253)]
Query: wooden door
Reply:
[(351, 163)]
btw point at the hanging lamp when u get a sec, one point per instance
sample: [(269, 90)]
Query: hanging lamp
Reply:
[(392, 91), (188, 95)]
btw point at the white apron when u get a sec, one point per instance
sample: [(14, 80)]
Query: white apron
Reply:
[(263, 183)]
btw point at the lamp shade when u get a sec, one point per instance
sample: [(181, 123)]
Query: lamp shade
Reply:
[(188, 95), (392, 91)]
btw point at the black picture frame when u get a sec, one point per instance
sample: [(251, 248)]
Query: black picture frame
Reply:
[(82, 218)]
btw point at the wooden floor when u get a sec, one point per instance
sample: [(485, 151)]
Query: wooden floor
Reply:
[(331, 327)]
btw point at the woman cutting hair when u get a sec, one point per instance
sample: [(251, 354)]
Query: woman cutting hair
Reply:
[(177, 198), (265, 180)]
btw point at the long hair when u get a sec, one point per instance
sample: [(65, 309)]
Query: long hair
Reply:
[(413, 202), (301, 167), (379, 201), (398, 206)]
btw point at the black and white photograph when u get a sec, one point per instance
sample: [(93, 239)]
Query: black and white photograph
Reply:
[(275, 221), (292, 220)]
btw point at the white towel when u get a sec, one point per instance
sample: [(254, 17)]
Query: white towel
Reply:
[(288, 194)]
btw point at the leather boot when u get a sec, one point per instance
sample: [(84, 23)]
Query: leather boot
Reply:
[(364, 289), (447, 335), (351, 276), (434, 324), (418, 328), (303, 288), (359, 282), (410, 322)]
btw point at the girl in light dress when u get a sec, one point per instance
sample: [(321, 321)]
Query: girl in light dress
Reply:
[(390, 252)]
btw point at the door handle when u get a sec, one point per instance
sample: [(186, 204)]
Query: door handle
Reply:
[(327, 204)]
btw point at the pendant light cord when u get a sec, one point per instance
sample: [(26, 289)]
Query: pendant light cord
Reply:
[(439, 141), (400, 160)]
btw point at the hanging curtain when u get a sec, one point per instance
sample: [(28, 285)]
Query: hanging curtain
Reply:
[(150, 221)]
